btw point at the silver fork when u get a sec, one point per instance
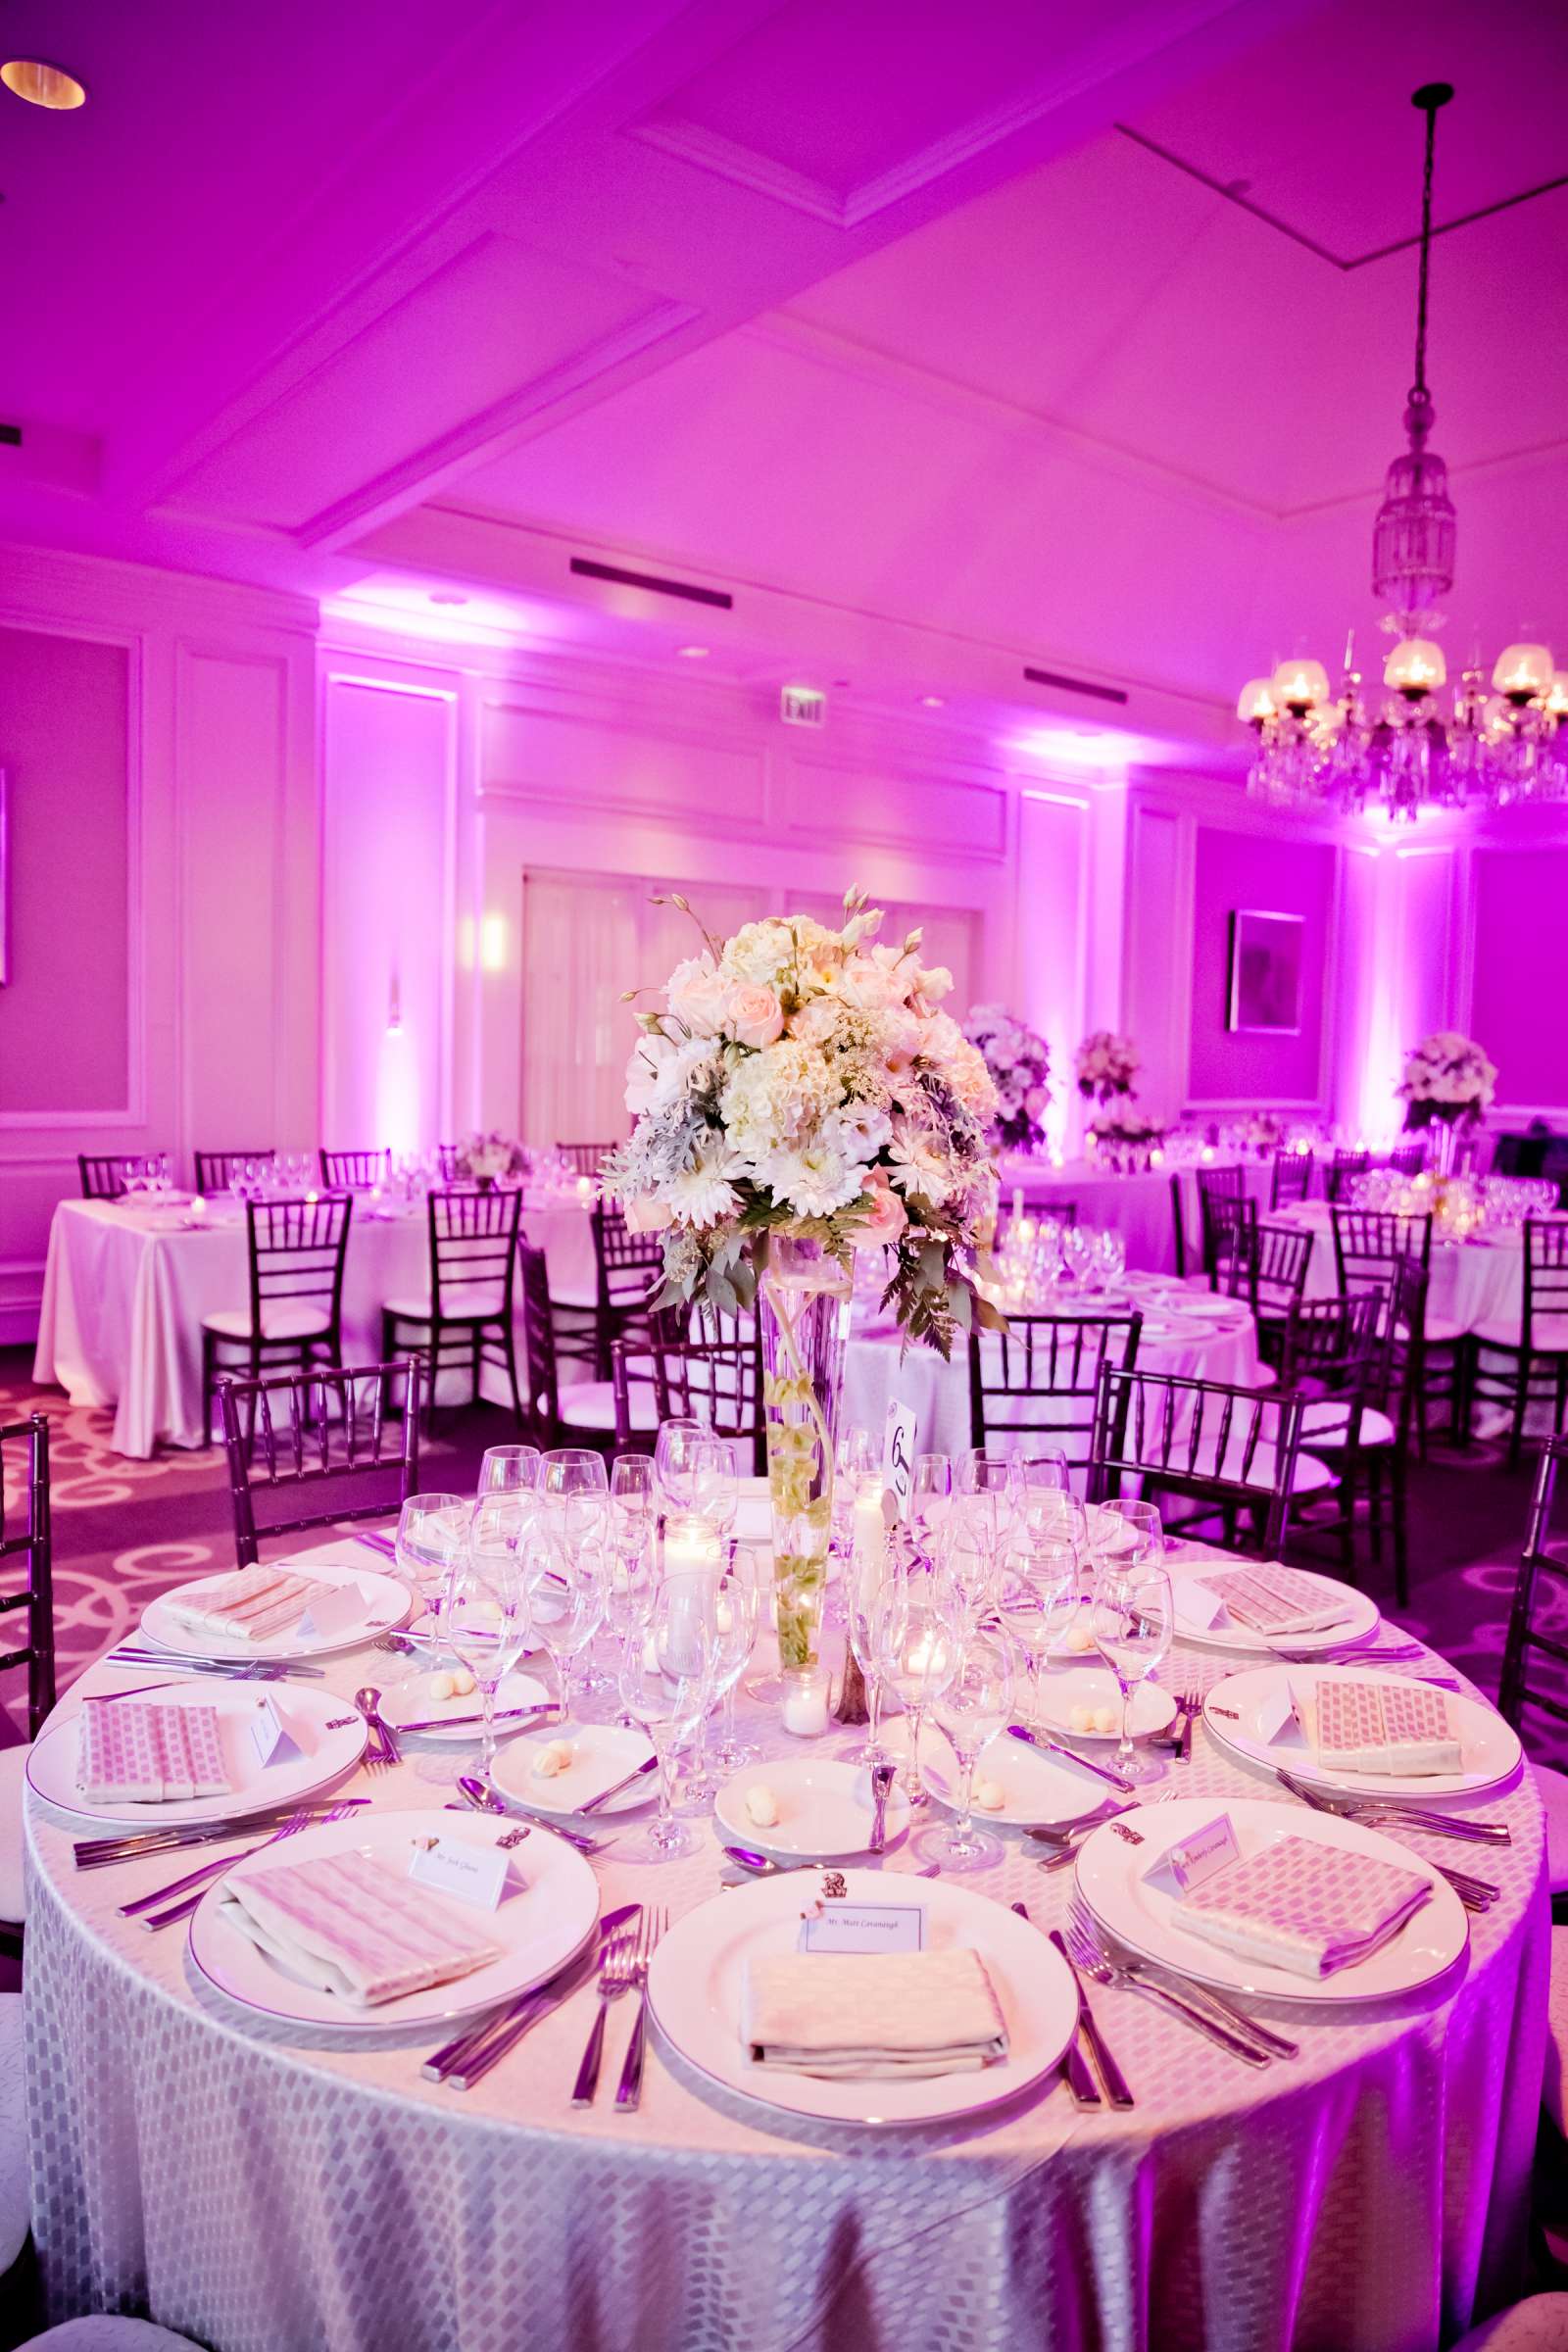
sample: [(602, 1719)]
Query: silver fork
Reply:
[(1232, 2028), (629, 2089), (616, 1963), (1387, 1813), (187, 1903)]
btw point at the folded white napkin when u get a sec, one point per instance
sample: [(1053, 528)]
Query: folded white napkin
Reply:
[(877, 2014), (247, 1606), (1273, 1599), (131, 1750), (1393, 1729), (352, 1926), (1300, 1906)]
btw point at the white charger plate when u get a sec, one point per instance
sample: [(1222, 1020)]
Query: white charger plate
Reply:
[(1359, 1624), (539, 1925), (697, 1979), (1234, 1710), (1094, 1687), (1110, 1873), (601, 1753), (329, 1732), (825, 1808), (385, 1605), (413, 1702), (1039, 1793)]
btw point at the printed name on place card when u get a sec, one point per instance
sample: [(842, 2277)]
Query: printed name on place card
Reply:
[(334, 1609), (1186, 1865), (475, 1874), (865, 1928), (270, 1736)]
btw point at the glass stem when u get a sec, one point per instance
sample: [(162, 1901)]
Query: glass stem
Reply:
[(1124, 1747), (487, 1752), (916, 1792), (964, 1835), (663, 1749), (729, 1720), (873, 1709)]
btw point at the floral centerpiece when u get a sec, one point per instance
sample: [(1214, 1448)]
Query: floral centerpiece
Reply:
[(1105, 1064), (1019, 1065), (482, 1158), (1448, 1083), (801, 1094), (1124, 1134)]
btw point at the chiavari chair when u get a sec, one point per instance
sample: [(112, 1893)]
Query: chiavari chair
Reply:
[(1291, 1179), (26, 1556), (308, 1449), (1231, 1452), (214, 1170), (1534, 1353), (102, 1174), (465, 1318), (1267, 1265), (627, 1269), (295, 1253), (354, 1171), (1330, 1349), (1344, 1168), (1038, 1379), (717, 1381), (1535, 1654), (577, 1412), (1230, 1242), (585, 1158), (1409, 1159), (1368, 1245)]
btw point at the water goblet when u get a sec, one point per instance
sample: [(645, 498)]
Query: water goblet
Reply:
[(431, 1531), (915, 1646), (509, 1469), (1131, 1622), (971, 1708), (565, 1575), (1128, 1529), (1042, 1590), (485, 1618), (752, 1565), (737, 1600), (665, 1670), (930, 1492), (673, 1459)]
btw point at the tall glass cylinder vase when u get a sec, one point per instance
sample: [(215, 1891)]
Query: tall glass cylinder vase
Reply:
[(804, 1297), (1445, 1146)]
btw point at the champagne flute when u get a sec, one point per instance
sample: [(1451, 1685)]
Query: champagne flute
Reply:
[(487, 1618), (664, 1680), (971, 1708), (1130, 1620), (916, 1645)]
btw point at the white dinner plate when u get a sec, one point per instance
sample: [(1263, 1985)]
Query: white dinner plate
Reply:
[(327, 1735), (546, 1915), (1111, 1876), (1212, 1307), (1163, 1330), (1359, 1623), (601, 1753), (697, 1983), (1234, 1712), (825, 1809), (1039, 1790), (414, 1702), (1065, 1688), (383, 1603)]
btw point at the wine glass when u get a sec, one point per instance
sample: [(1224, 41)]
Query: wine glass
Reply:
[(854, 1462), (987, 1485), (565, 1577), (750, 1565), (736, 1602), (1130, 1620), (665, 1685), (673, 1461), (431, 1531), (1128, 1529), (509, 1469), (971, 1708), (863, 1579), (715, 1487), (486, 1616), (1077, 1253), (967, 1562), (1042, 1590), (1110, 1250), (915, 1646), (930, 1489)]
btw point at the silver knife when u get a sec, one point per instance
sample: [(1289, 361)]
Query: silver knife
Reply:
[(1074, 2065), (1070, 1755), (442, 1723), (524, 2011), (615, 1786), (881, 1787), (1110, 2073)]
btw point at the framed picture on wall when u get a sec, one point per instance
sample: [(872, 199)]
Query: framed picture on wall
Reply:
[(1265, 973)]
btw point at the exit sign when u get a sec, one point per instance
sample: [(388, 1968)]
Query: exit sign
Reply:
[(803, 707)]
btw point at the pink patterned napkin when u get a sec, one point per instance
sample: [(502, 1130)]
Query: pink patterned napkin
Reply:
[(247, 1606), (355, 1926), (1398, 1728), (146, 1754), (1304, 1906), (876, 2015), (1272, 1599)]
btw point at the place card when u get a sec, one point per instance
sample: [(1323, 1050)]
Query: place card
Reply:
[(1197, 1604), (840, 1926), (270, 1736), (1187, 1864), (475, 1874), (1279, 1717), (897, 1455), (334, 1609)]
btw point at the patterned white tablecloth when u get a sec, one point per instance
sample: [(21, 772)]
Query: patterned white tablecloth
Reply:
[(126, 1288), (257, 2193)]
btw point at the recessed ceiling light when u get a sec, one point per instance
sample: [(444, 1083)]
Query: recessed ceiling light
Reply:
[(41, 84), (933, 701), (447, 595), (692, 652)]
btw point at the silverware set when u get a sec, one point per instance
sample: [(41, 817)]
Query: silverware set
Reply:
[(133, 1846), (482, 1799), (623, 1966), (158, 1910), (469, 2056), (1179, 1738), (240, 1670), (1113, 2081), (1207, 2012), (1070, 1755), (1390, 1813), (383, 1748)]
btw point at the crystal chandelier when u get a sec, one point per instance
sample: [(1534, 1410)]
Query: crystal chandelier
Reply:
[(1406, 751)]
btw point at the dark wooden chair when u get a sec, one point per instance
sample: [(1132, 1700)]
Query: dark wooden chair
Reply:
[(214, 1170), (1291, 1180), (1038, 1379), (27, 1598), (1342, 1170), (446, 1156), (1378, 1475), (103, 1173), (1537, 1620), (586, 1159), (354, 1171), (1178, 1227), (627, 1268), (1409, 1159), (1267, 1266), (1222, 1200), (465, 1318), (1327, 1358), (1232, 1454), (578, 1412), (1230, 1242), (309, 1449), (1533, 1354), (715, 1381), (295, 1310), (1368, 1246)]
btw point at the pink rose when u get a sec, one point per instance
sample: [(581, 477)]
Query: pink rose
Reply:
[(887, 1218), (867, 985), (754, 1016)]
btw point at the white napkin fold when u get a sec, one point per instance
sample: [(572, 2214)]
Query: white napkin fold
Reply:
[(875, 2015), (1304, 1906), (1400, 1729), (134, 1751), (350, 1924), (1273, 1599), (246, 1605)]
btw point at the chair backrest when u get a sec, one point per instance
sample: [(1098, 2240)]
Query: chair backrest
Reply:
[(354, 1171), (297, 1250), (308, 1449), (1291, 1180), (25, 1539), (103, 1173), (446, 1156), (1368, 1244), (629, 1265), (1546, 1256), (1409, 1159), (474, 1251), (1280, 1258), (1039, 1378), (1230, 1240), (1220, 1184), (538, 1344), (1541, 1589), (1218, 1444), (214, 1170), (1342, 1169), (1177, 1225), (1334, 1349), (585, 1158), (717, 1382)]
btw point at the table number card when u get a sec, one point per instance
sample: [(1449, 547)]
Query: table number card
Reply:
[(475, 1874), (270, 1736), (1187, 1865), (864, 1928), (897, 1455)]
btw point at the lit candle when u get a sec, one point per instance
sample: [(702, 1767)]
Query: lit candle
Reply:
[(805, 1709), (198, 1208), (868, 1537)]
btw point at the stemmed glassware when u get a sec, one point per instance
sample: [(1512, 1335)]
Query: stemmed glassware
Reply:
[(971, 1708), (715, 1487), (665, 1686), (433, 1530), (510, 1470), (673, 1451), (916, 1644), (486, 1615), (863, 1579), (1131, 1623), (1041, 1593), (751, 1570), (736, 1600), (1127, 1511), (565, 1568), (930, 1494)]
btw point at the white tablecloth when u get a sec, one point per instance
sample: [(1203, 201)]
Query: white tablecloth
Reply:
[(1137, 1208), (126, 1288), (1369, 2196), (1472, 1282)]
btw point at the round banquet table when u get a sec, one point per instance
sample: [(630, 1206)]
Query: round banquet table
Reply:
[(1478, 1280), (259, 2191), (1137, 1205)]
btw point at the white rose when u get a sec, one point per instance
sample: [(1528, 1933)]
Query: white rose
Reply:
[(697, 996)]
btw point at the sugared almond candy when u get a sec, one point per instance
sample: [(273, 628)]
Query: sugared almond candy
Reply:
[(1107, 1719), (553, 1760), (989, 1795), (762, 1806), (463, 1683), (443, 1686), (1080, 1638), (1081, 1719)]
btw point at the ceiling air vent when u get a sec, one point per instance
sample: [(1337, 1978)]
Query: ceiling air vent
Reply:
[(1056, 677), (655, 586)]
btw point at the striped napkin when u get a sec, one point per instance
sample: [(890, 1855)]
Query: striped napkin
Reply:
[(353, 1926), (247, 1606), (876, 2015), (147, 1754), (1272, 1599), (1403, 1728), (1300, 1906)]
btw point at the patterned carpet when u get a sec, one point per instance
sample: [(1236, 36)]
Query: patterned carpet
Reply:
[(124, 1531)]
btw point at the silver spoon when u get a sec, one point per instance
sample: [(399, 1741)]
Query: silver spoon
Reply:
[(369, 1702)]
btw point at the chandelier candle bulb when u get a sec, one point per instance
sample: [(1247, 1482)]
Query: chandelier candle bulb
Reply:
[(1523, 672), (1415, 667)]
